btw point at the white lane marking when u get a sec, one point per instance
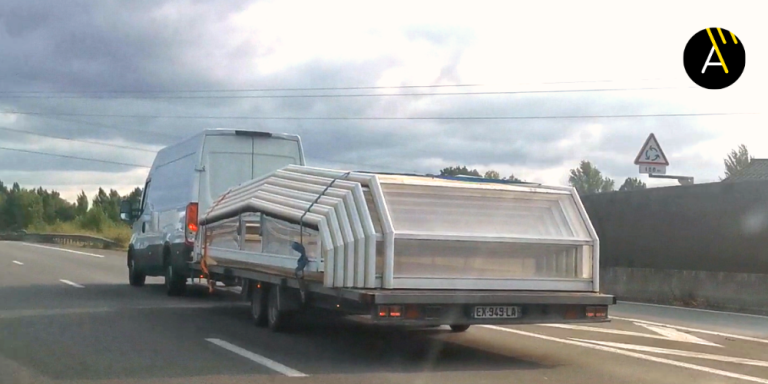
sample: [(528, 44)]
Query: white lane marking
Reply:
[(676, 335), (727, 359), (18, 262), (633, 354), (271, 364), (694, 330), (71, 283), (64, 250), (616, 332), (696, 309)]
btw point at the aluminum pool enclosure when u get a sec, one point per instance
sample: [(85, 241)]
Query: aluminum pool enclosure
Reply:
[(373, 230)]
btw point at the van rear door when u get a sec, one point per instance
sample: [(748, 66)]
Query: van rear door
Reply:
[(231, 159)]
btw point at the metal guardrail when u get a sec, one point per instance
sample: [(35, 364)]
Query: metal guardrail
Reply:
[(61, 238)]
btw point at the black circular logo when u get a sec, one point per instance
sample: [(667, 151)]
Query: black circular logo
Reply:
[(714, 58)]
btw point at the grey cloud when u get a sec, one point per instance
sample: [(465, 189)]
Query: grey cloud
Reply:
[(110, 45)]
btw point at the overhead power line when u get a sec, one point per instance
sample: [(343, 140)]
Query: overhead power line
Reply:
[(101, 126), (385, 117), (77, 140), (73, 157), (334, 95), (304, 89)]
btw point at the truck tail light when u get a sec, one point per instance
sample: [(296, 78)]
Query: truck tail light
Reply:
[(597, 312), (390, 311), (190, 227)]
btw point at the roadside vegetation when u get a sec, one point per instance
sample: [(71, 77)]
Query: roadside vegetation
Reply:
[(43, 211)]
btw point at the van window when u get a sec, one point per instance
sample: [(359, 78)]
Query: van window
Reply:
[(143, 198)]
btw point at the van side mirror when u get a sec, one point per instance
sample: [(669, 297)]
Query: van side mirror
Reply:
[(127, 213)]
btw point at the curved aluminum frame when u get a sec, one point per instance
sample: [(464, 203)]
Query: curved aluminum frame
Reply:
[(353, 234)]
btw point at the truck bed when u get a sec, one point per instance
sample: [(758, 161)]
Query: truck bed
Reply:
[(432, 307)]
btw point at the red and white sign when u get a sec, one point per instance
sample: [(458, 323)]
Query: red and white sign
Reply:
[(651, 157)]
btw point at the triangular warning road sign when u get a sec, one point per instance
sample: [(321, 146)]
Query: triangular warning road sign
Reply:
[(651, 153)]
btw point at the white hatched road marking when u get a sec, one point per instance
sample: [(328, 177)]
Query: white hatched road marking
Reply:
[(18, 262), (64, 250), (71, 283), (689, 339), (676, 335), (271, 364), (727, 359), (633, 354), (694, 330)]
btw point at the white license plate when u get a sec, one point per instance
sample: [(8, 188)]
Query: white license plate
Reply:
[(496, 312)]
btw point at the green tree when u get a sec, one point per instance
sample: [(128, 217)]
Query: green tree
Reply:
[(513, 178), (109, 204), (632, 184), (23, 209), (737, 160), (491, 174), (82, 204), (94, 220), (459, 171), (587, 179)]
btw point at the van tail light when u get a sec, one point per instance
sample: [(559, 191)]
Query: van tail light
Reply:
[(190, 227)]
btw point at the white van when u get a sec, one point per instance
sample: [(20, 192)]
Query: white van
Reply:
[(185, 178)]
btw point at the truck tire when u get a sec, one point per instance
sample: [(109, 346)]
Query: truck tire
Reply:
[(135, 278), (459, 328), (259, 305), (276, 319), (175, 285)]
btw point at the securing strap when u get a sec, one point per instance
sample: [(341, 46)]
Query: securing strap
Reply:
[(303, 260), (207, 241)]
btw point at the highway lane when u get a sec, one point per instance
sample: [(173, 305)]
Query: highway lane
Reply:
[(109, 332)]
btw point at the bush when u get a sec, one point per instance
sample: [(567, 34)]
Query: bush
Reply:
[(95, 220)]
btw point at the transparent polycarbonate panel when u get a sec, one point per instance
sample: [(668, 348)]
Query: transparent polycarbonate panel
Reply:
[(450, 210), (252, 239), (586, 265), (372, 210), (379, 258), (577, 222), (278, 235), (470, 259), (223, 234)]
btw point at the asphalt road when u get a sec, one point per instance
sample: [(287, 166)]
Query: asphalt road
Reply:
[(70, 317)]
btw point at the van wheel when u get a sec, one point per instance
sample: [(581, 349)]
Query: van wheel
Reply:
[(276, 319), (259, 306), (175, 285), (135, 278), (459, 328)]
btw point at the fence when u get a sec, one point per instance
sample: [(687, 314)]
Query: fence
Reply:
[(703, 244), (60, 238)]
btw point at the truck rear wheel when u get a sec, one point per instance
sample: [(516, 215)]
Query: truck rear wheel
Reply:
[(459, 328), (135, 278), (175, 284), (276, 319), (259, 305)]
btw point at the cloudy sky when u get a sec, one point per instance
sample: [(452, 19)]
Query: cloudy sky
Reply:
[(65, 61)]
